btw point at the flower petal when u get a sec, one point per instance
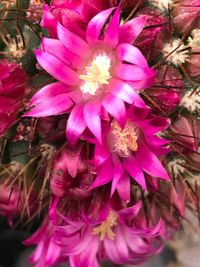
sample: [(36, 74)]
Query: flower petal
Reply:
[(131, 54), (95, 26), (135, 171), (57, 68), (130, 30), (105, 174), (101, 154), (111, 36), (64, 54), (76, 124), (92, 117), (72, 41), (49, 22), (115, 106), (123, 188), (150, 163), (118, 173), (125, 92)]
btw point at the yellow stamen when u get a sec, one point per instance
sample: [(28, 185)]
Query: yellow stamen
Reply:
[(105, 228)]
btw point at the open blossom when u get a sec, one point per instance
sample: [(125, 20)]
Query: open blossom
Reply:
[(96, 76), (118, 235), (13, 89), (130, 151)]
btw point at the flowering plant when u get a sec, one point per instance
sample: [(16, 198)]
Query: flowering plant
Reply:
[(99, 125)]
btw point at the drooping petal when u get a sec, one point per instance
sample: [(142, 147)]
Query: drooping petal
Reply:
[(111, 36), (125, 92), (131, 54), (130, 30), (52, 45), (76, 124), (73, 42), (95, 26), (150, 163), (92, 117), (135, 171), (57, 68), (105, 174), (115, 106)]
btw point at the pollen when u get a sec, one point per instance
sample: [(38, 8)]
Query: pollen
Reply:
[(105, 228), (97, 74), (123, 141), (175, 52)]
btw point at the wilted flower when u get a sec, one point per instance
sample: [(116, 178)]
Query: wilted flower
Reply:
[(96, 82), (13, 89)]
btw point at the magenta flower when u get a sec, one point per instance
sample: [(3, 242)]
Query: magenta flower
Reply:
[(131, 151), (13, 89), (118, 235), (96, 75)]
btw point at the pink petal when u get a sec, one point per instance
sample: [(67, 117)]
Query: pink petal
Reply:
[(101, 154), (130, 30), (49, 22), (76, 124), (115, 106), (125, 92), (118, 173), (73, 42), (150, 163), (131, 54), (111, 36), (123, 188), (92, 117), (95, 26), (58, 69), (135, 171), (64, 54), (105, 174), (132, 73)]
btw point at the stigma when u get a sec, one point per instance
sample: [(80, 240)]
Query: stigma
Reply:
[(105, 228)]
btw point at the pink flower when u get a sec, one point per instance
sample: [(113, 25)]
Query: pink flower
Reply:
[(131, 151), (118, 235), (96, 75), (13, 89)]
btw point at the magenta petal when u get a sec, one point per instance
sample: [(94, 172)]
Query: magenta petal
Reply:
[(118, 173), (111, 36), (75, 124), (95, 26), (124, 188), (72, 41), (92, 117), (57, 68), (150, 163), (115, 106), (105, 174), (64, 54), (49, 22), (135, 171), (130, 30), (131, 54), (49, 91), (131, 72), (125, 92), (101, 154)]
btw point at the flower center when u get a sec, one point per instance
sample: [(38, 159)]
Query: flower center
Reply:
[(123, 141), (105, 228), (97, 73)]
